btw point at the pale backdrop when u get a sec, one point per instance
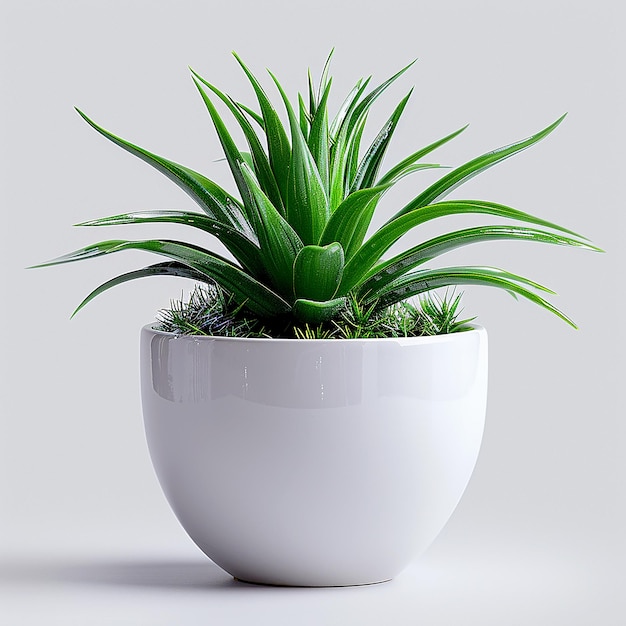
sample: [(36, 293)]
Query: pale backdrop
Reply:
[(85, 534)]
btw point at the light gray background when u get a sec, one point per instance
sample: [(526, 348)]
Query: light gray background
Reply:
[(86, 536)]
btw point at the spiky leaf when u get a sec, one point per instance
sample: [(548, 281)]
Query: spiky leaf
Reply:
[(319, 141), (427, 280), (307, 203), (170, 268), (404, 167), (262, 167), (349, 223), (371, 162), (472, 168), (373, 249), (244, 288), (279, 242), (212, 199), (246, 251), (387, 272), (277, 141)]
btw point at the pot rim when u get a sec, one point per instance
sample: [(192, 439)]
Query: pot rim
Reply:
[(425, 339)]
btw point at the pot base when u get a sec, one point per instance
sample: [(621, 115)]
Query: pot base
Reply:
[(266, 584)]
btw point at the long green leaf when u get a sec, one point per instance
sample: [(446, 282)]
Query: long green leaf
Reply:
[(318, 139), (279, 242), (427, 280), (373, 249), (399, 170), (341, 141), (352, 162), (387, 272), (307, 202), (344, 157), (262, 166), (317, 272), (212, 199), (170, 268), (355, 116), (372, 160), (233, 156), (350, 221), (312, 100), (348, 105), (338, 165), (324, 79), (277, 141), (472, 168), (410, 169), (344, 160), (305, 119), (247, 252), (244, 288), (253, 114)]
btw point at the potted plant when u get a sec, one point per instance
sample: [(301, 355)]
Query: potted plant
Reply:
[(308, 424)]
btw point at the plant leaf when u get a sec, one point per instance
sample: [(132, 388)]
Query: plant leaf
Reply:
[(472, 168), (277, 141), (350, 221), (348, 104), (312, 312), (279, 242), (426, 280), (262, 167), (170, 268), (319, 141), (343, 161), (388, 271), (233, 156), (352, 161), (410, 169), (400, 170), (304, 118), (312, 99), (373, 249), (247, 252), (371, 162), (246, 290), (253, 114), (344, 157), (356, 111), (307, 203), (317, 272), (324, 80), (212, 199)]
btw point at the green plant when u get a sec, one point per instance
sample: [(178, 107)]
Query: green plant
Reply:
[(209, 310), (299, 231)]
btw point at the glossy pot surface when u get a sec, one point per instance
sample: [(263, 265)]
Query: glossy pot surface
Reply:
[(314, 462)]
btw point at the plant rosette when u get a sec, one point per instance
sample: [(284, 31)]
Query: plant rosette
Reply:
[(297, 458)]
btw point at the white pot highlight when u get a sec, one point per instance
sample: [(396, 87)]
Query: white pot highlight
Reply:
[(314, 462)]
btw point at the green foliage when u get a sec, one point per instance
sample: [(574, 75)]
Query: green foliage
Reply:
[(299, 230), (210, 310), (439, 315)]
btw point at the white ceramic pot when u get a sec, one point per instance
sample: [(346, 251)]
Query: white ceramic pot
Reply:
[(314, 462)]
